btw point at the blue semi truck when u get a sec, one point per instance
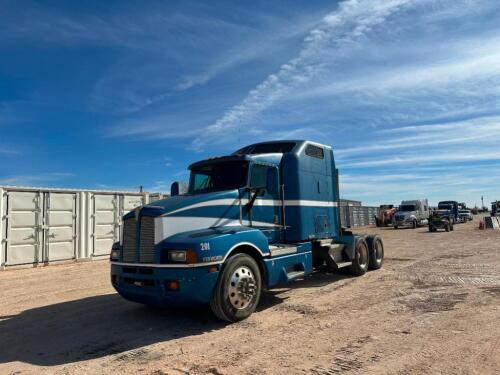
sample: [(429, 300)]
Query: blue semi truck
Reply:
[(261, 217)]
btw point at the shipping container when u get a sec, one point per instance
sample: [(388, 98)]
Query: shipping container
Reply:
[(42, 225)]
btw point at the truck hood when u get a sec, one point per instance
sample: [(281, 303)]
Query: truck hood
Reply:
[(185, 213), (184, 204)]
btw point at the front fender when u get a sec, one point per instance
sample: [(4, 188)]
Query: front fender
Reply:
[(214, 245)]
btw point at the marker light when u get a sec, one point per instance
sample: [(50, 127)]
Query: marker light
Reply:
[(115, 255)]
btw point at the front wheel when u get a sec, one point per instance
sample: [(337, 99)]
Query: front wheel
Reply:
[(238, 289), (414, 224), (360, 262)]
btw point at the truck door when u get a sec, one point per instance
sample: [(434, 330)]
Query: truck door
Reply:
[(262, 204)]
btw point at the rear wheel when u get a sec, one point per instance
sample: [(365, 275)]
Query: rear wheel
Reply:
[(360, 262), (447, 227), (376, 252), (238, 289)]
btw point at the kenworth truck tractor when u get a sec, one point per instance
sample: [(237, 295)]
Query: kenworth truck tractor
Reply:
[(261, 217)]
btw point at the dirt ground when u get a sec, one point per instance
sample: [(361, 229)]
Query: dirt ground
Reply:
[(433, 308)]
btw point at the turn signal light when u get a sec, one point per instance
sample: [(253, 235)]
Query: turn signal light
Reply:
[(212, 269), (172, 285), (191, 256)]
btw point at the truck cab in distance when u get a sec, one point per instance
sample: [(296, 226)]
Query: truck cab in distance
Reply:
[(452, 206), (385, 215), (441, 219), (264, 216), (495, 208), (412, 214)]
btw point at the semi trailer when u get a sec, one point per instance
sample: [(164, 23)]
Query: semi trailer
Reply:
[(263, 216)]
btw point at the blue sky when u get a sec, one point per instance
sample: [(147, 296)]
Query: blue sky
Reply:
[(116, 94)]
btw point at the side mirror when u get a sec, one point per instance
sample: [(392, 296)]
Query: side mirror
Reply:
[(174, 189)]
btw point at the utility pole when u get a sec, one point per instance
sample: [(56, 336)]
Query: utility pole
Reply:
[(482, 202)]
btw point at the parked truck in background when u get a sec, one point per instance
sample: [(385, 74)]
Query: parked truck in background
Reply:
[(495, 208), (452, 206), (440, 219), (263, 216), (385, 215), (465, 215), (412, 214)]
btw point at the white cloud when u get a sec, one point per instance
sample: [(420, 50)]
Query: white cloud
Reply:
[(349, 23), (436, 157), (483, 130), (34, 179)]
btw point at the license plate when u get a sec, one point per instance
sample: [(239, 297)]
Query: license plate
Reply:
[(138, 283)]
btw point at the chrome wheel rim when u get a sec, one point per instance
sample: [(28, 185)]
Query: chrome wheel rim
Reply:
[(378, 252), (242, 287), (363, 257)]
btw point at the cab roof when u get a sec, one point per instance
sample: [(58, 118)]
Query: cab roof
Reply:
[(267, 152)]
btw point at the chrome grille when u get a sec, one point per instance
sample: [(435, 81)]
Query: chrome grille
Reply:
[(147, 240), (129, 246)]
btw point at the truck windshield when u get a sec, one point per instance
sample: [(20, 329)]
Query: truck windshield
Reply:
[(407, 207), (445, 206), (218, 177)]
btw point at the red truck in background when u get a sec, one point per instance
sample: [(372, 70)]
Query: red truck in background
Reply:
[(385, 215)]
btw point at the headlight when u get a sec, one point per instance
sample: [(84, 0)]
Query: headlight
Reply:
[(115, 255), (177, 255), (182, 256)]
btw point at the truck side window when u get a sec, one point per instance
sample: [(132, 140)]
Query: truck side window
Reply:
[(258, 176), (315, 152)]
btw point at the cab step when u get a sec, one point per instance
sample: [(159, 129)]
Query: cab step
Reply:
[(280, 250), (295, 275), (332, 254), (343, 264)]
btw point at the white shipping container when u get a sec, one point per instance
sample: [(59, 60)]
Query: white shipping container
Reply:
[(40, 226)]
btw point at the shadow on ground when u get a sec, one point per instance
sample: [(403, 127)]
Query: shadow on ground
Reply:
[(97, 326)]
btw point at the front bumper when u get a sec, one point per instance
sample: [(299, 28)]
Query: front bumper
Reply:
[(403, 223), (439, 224), (148, 284)]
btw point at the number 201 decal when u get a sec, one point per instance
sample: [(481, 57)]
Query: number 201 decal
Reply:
[(204, 246)]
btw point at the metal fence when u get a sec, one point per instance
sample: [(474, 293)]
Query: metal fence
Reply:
[(40, 225), (357, 216)]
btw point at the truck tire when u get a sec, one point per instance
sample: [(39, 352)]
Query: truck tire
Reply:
[(451, 227), (415, 225), (238, 289), (375, 251), (395, 227), (361, 259), (447, 228)]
